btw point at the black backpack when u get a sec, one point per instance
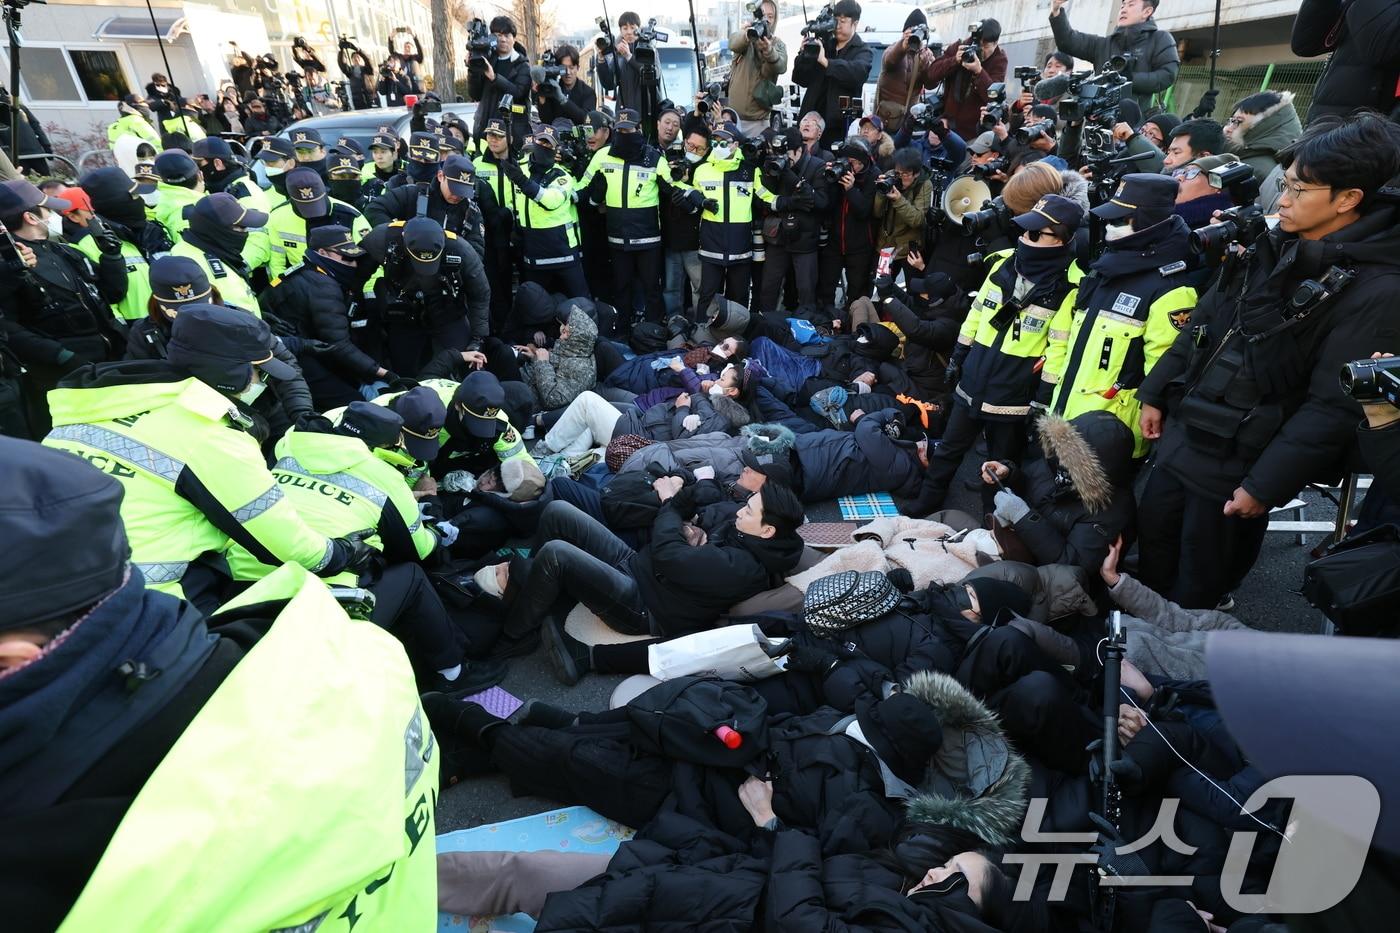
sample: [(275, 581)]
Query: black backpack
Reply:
[(686, 719), (647, 337), (1356, 583)]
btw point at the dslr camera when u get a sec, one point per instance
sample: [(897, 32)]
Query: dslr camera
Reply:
[(994, 216), (758, 29), (1242, 225), (713, 92), (605, 42), (886, 183), (1029, 131), (837, 169), (996, 105), (480, 44), (927, 113), (817, 31), (986, 170), (1373, 380), (972, 49), (918, 37)]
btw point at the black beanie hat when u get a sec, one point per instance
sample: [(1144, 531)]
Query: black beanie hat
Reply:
[(53, 498), (916, 18), (904, 731), (996, 596)]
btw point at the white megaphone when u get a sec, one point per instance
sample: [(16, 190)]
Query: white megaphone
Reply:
[(963, 196)]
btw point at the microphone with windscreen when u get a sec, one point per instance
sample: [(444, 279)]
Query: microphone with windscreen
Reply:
[(1051, 88)]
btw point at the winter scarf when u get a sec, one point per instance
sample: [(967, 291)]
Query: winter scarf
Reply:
[(65, 710)]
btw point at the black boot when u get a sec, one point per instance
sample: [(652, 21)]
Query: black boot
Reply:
[(462, 754), (546, 716), (569, 657), (474, 677)]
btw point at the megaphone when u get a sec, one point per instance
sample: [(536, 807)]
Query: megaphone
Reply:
[(963, 196)]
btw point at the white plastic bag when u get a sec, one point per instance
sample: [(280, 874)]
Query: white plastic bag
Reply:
[(733, 652)]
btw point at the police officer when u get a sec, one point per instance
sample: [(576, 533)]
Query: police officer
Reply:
[(343, 166), (479, 438), (384, 164), (433, 295), (180, 186), (126, 692), (122, 214), (216, 238), (331, 475), (498, 213), (1001, 344), (278, 158), (56, 310), (184, 121), (421, 166), (627, 177), (450, 199), (723, 188), (135, 119), (222, 171), (1129, 308), (321, 302), (310, 150), (548, 221), (308, 206), (175, 434)]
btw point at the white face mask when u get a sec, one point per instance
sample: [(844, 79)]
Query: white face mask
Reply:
[(722, 153), (255, 388), (1117, 231), (716, 390), (693, 157), (54, 220)]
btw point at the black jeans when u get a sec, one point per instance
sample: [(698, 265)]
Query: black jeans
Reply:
[(633, 268), (406, 604), (731, 281), (1006, 440), (411, 346), (859, 267), (1189, 550), (776, 262), (577, 559), (566, 278)]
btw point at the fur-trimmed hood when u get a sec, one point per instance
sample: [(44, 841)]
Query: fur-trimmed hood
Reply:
[(1269, 130), (728, 409), (1076, 188), (976, 781), (773, 439), (1096, 449)]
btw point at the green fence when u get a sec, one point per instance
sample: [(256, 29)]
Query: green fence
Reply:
[(1237, 83)]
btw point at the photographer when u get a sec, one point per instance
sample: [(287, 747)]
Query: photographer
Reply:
[(1056, 63), (791, 233), (359, 75), (902, 71), (1247, 402), (680, 222), (758, 63), (490, 80), (935, 142), (393, 83), (1151, 52), (901, 202), (566, 96), (851, 246), (618, 69), (966, 70), (261, 121), (833, 65)]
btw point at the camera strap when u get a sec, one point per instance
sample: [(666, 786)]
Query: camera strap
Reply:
[(1311, 296)]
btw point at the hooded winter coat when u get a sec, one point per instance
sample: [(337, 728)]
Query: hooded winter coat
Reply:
[(1156, 59), (570, 369), (1361, 38), (868, 459), (513, 78), (844, 75), (1259, 139), (1077, 524), (663, 421)]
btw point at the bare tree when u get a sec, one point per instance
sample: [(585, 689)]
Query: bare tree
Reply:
[(534, 21), (444, 57)]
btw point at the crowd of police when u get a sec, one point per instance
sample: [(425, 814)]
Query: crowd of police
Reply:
[(638, 339)]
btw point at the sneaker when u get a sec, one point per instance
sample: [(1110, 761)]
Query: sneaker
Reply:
[(474, 677), (1226, 604), (507, 647), (569, 657), (545, 715)]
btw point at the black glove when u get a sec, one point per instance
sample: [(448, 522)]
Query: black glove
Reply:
[(803, 199), (711, 205), (1207, 105), (358, 556), (812, 658), (951, 374), (512, 170), (107, 242), (683, 196), (314, 347), (782, 203)]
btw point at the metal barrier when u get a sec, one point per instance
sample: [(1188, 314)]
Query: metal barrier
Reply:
[(1336, 529), (1237, 83)]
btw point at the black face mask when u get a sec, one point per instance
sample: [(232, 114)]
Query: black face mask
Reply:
[(951, 894), (347, 190), (628, 146), (420, 172), (129, 212), (318, 166), (214, 179), (540, 157)]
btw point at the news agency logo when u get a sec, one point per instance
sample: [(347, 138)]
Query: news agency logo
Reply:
[(1324, 847)]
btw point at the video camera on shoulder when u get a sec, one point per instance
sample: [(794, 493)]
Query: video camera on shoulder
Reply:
[(644, 48), (972, 49), (818, 29), (480, 44), (1373, 380), (553, 71)]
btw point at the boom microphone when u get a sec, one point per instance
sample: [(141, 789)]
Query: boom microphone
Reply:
[(537, 74), (1051, 88)]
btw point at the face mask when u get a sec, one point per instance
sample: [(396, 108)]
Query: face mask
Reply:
[(693, 157), (422, 171), (1117, 231), (627, 145), (716, 391), (722, 153), (255, 388), (540, 157), (54, 221), (345, 190), (274, 172)]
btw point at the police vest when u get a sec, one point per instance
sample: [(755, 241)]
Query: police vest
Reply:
[(170, 208), (135, 304), (633, 196), (549, 221), (489, 171), (727, 232), (320, 817), (232, 287), (192, 483), (1115, 333), (133, 125), (286, 232), (338, 487), (188, 125)]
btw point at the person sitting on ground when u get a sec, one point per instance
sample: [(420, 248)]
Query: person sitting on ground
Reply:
[(680, 582), (561, 375)]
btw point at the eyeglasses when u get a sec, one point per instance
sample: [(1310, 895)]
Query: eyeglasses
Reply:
[(697, 150), (1296, 191), (1187, 173), (1234, 121)]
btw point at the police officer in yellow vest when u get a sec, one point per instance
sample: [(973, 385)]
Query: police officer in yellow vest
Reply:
[(492, 150), (223, 172), (179, 188), (479, 438), (629, 175), (724, 187), (384, 163), (185, 121), (140, 779), (333, 479), (1129, 308), (547, 217), (995, 368), (424, 411), (123, 214), (307, 205), (217, 238), (135, 119), (278, 158), (175, 432)]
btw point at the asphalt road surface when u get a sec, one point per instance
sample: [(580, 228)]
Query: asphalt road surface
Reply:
[(1268, 600)]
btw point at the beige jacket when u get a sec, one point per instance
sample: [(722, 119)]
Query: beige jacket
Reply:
[(748, 69)]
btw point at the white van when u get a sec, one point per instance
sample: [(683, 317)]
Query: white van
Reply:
[(881, 25)]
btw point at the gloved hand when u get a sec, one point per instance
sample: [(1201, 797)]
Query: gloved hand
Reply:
[(107, 241), (458, 481), (359, 555), (951, 374), (1038, 411), (682, 196), (512, 170), (812, 658), (690, 422), (314, 347), (711, 205), (1010, 508), (557, 92), (782, 203), (803, 199), (447, 532), (1207, 104)]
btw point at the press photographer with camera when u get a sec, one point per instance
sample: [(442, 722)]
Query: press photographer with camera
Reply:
[(1056, 63), (901, 202), (619, 70), (760, 58), (359, 74), (902, 71), (1152, 59), (394, 82), (967, 69), (558, 91), (1247, 403), (929, 135), (850, 247), (832, 64), (503, 73), (792, 231)]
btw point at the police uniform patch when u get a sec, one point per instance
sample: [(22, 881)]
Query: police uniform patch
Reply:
[(1126, 304), (1180, 317)]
